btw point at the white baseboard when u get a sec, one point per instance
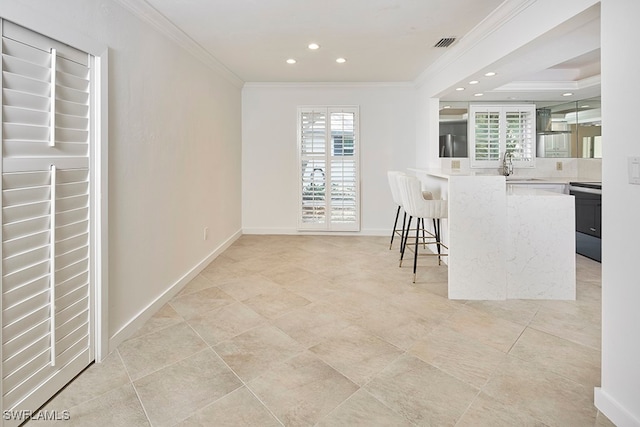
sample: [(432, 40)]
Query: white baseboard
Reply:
[(616, 413), (145, 314)]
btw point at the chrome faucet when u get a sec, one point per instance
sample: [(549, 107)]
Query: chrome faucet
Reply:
[(507, 163)]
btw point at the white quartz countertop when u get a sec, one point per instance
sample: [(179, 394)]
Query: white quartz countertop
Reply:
[(512, 179)]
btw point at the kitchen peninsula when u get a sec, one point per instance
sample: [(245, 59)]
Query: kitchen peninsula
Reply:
[(505, 241)]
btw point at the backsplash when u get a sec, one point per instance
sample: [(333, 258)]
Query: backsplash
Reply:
[(545, 167)]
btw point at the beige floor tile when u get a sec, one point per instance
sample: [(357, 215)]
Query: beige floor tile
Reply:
[(174, 393), (310, 324), (458, 355), (119, 407), (487, 412), (546, 396), (302, 390), (275, 304), (437, 288), (353, 304), (218, 272), (425, 304), (260, 261), (256, 351), (356, 353), (238, 408), (96, 380), (225, 323), (589, 296), (588, 270), (363, 410), (565, 319), (163, 318), (314, 287), (368, 293), (396, 325), (243, 288), (491, 330), (516, 311), (574, 361), (285, 273), (147, 354), (198, 283), (200, 302), (422, 393)]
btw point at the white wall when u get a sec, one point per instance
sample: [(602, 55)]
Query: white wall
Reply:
[(174, 154), (619, 396), (269, 149)]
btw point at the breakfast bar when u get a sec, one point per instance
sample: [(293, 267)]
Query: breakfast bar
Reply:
[(505, 241)]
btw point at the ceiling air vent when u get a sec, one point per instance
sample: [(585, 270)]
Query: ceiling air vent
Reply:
[(445, 42)]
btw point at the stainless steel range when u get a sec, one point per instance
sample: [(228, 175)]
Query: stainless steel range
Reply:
[(588, 196)]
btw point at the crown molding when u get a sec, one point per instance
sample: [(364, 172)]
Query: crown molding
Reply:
[(150, 15)]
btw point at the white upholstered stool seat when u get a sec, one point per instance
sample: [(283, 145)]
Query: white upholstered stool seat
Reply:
[(395, 195)]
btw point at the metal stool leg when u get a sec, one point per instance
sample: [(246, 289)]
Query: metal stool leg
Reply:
[(404, 240), (395, 223), (415, 254), (436, 229)]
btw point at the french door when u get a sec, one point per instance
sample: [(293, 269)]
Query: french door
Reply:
[(328, 153), (47, 220)]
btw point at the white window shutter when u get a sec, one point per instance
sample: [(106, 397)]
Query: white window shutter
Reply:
[(46, 320), (496, 129)]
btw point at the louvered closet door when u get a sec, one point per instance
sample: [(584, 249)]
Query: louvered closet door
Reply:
[(46, 257)]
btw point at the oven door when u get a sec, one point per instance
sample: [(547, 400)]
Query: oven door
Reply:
[(588, 221)]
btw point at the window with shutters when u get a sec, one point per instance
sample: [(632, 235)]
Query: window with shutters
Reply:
[(329, 196), (497, 129)]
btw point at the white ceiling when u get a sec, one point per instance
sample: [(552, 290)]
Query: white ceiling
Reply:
[(382, 40)]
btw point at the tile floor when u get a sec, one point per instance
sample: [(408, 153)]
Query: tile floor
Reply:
[(328, 331)]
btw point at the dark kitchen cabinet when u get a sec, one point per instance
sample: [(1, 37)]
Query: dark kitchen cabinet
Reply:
[(588, 214)]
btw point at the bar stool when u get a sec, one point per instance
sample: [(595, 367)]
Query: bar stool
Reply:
[(417, 207), (392, 176)]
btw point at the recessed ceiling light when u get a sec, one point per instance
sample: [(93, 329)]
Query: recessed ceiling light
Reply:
[(313, 46), (585, 106), (474, 82), (459, 88), (478, 94), (567, 94), (446, 106), (341, 60), (490, 74), (291, 61)]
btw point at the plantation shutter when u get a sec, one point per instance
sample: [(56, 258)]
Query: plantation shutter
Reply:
[(487, 135), (329, 174), (520, 133), (496, 129), (46, 257), (313, 153)]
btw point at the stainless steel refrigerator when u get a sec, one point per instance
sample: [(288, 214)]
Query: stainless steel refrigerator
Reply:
[(453, 145)]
